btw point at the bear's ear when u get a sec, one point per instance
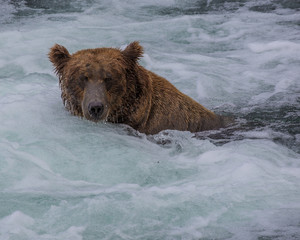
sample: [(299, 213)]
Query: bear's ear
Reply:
[(133, 51), (59, 56)]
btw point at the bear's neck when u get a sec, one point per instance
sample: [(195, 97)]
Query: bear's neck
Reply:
[(137, 100)]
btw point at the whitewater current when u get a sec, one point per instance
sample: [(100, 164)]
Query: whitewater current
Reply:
[(63, 177)]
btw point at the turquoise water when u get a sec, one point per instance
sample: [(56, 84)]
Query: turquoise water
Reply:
[(62, 177)]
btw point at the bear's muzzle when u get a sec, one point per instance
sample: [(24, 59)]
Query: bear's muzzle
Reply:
[(94, 103), (95, 110)]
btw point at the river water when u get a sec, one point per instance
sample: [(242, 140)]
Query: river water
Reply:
[(62, 177)]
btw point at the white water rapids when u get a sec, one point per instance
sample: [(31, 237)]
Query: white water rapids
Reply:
[(62, 177)]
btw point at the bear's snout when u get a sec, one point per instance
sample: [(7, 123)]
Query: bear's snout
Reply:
[(95, 110), (94, 102)]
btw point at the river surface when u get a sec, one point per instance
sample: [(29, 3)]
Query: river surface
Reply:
[(62, 177)]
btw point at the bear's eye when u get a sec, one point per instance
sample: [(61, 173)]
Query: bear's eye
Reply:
[(108, 79), (84, 78), (108, 83)]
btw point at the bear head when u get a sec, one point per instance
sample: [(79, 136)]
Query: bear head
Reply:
[(103, 83)]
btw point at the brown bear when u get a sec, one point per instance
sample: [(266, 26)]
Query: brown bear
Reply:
[(108, 84)]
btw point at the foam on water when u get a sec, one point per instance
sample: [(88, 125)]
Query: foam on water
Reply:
[(62, 177)]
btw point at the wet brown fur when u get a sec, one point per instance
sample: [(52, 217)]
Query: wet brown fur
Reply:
[(135, 96)]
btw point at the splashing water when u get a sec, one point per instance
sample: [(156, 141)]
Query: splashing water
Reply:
[(62, 177)]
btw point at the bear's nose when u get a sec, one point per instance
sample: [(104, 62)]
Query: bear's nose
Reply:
[(95, 109)]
